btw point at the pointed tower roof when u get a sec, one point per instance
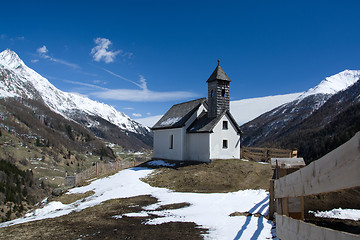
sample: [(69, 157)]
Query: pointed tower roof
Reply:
[(218, 74)]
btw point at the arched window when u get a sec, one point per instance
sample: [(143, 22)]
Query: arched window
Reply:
[(212, 93), (223, 92)]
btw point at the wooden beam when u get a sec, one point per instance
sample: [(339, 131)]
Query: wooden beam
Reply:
[(288, 228), (337, 170)]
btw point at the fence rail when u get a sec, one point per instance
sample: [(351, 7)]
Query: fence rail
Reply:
[(289, 228), (265, 154), (335, 171), (339, 169), (100, 169)]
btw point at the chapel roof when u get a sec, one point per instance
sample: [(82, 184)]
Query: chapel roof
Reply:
[(178, 114), (218, 74), (205, 124)]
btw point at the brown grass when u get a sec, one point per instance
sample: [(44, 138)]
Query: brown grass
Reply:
[(70, 198), (98, 223), (217, 176)]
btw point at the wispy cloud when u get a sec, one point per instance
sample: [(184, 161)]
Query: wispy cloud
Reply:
[(121, 77), (136, 115), (85, 84), (101, 51), (43, 52), (134, 95), (143, 94)]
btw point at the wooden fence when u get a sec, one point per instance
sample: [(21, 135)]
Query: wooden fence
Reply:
[(265, 154), (339, 169), (100, 169)]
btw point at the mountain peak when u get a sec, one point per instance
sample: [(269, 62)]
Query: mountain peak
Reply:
[(11, 59), (335, 83)]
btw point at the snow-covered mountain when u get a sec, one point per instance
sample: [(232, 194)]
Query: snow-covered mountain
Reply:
[(19, 81), (268, 127), (242, 110), (333, 84), (248, 109)]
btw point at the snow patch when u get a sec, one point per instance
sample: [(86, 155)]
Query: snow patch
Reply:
[(339, 213), (170, 121), (160, 163)]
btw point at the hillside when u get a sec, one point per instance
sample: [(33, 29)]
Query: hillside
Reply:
[(106, 209), (324, 116), (18, 81)]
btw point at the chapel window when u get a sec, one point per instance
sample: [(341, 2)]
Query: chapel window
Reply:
[(225, 143), (225, 125), (171, 146)]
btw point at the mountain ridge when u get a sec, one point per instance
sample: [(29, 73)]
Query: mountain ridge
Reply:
[(310, 123), (20, 81)]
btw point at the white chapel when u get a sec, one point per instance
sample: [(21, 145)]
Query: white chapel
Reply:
[(200, 130)]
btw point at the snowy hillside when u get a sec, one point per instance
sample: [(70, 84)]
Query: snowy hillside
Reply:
[(273, 126), (242, 110), (18, 80), (248, 109), (334, 84)]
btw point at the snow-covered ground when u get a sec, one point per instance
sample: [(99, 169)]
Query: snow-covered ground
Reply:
[(339, 213), (209, 210)]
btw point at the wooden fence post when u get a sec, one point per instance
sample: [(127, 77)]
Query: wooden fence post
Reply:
[(97, 168), (271, 200)]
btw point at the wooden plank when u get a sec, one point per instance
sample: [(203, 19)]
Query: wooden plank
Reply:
[(288, 228), (288, 162), (271, 200), (337, 170)]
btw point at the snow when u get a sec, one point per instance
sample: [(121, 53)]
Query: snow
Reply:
[(242, 110), (248, 109), (149, 121), (209, 210), (352, 214), (170, 121), (25, 82), (160, 163), (334, 83)]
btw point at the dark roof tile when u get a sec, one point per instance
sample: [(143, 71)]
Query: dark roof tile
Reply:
[(178, 114)]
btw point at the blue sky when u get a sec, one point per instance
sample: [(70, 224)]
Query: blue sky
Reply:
[(144, 56)]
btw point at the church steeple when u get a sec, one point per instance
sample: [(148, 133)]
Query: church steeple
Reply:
[(218, 92)]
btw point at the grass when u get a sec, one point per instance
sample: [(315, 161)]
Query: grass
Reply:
[(71, 198), (218, 176), (98, 223)]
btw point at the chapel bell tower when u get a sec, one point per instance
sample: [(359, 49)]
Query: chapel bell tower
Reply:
[(218, 92)]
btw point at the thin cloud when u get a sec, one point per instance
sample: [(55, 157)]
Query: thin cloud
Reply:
[(137, 114), (43, 52), (141, 95), (123, 78), (147, 95), (101, 51), (85, 84)]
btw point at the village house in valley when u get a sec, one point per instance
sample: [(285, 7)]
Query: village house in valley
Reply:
[(202, 129)]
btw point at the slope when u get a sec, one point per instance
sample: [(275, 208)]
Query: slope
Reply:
[(212, 212), (19, 81), (331, 105)]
